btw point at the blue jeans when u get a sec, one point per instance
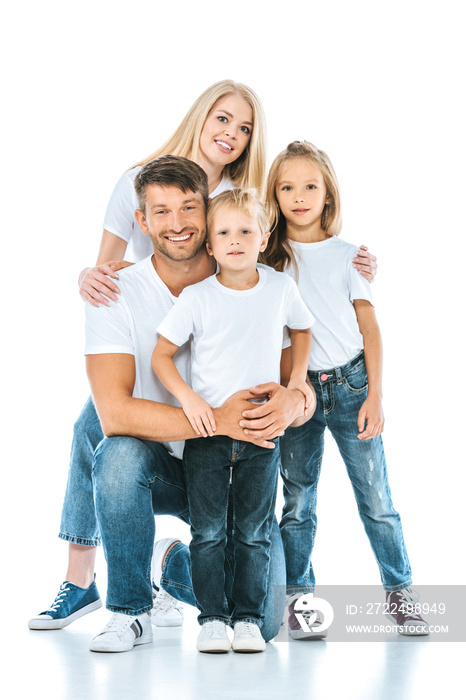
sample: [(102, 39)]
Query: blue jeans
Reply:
[(340, 394), (230, 482), (133, 481)]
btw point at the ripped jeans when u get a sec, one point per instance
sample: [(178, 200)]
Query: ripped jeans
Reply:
[(340, 394)]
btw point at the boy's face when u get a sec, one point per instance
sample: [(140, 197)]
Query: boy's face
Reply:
[(235, 239)]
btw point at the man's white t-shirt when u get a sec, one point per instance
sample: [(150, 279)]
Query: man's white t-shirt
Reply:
[(128, 326), (236, 335), (329, 284), (119, 217)]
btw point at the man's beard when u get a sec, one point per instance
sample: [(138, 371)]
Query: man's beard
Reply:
[(175, 253)]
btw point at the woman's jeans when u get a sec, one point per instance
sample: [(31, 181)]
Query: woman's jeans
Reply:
[(133, 480), (340, 394), (230, 481)]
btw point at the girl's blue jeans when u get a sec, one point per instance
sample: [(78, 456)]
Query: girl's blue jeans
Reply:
[(340, 393), (130, 481), (232, 485)]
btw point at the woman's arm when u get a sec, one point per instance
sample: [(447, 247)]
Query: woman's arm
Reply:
[(95, 283), (196, 410), (371, 418), (366, 263)]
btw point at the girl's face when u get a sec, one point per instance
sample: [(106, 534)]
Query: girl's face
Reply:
[(301, 193), (226, 131)]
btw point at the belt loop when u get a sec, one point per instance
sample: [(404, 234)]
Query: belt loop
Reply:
[(338, 375)]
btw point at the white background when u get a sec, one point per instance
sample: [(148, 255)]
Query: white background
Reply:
[(91, 88)]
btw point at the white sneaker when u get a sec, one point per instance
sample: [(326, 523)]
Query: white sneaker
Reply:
[(122, 633), (247, 638), (166, 611), (213, 638)]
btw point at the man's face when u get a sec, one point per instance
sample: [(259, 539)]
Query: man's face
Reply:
[(175, 221)]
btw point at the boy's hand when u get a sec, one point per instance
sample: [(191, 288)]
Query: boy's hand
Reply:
[(309, 394), (370, 419), (200, 415)]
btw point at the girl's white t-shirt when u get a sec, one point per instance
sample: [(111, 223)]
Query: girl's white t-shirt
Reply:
[(329, 284), (119, 217), (236, 335)]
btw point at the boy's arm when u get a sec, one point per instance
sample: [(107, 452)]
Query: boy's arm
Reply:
[(198, 411), (370, 419)]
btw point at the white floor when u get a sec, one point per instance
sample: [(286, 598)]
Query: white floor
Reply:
[(58, 665)]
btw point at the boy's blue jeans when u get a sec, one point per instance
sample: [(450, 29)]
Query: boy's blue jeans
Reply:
[(79, 522), (340, 394), (230, 482)]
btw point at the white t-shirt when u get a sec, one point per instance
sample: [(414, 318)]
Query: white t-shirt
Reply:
[(329, 284), (128, 326), (236, 336), (119, 217)]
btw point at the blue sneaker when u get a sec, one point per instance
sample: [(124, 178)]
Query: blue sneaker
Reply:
[(71, 602)]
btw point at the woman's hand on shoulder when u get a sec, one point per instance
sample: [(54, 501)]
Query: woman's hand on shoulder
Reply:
[(95, 283), (366, 263)]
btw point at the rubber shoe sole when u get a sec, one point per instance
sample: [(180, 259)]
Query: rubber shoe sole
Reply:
[(45, 622)]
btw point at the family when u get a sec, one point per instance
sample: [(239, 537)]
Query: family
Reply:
[(244, 330)]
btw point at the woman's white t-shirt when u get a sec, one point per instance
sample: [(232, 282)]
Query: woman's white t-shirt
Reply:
[(119, 217)]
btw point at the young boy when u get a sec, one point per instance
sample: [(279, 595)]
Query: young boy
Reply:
[(235, 321)]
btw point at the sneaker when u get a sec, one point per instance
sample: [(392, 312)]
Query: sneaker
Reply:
[(166, 611), (247, 638), (122, 633), (71, 602), (297, 628), (402, 606), (213, 638)]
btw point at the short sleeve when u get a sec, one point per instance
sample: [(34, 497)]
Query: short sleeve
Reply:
[(108, 329), (298, 315), (358, 286), (119, 217), (178, 324)]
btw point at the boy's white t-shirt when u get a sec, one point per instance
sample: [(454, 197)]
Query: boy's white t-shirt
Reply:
[(329, 284), (119, 217), (236, 335), (128, 326)]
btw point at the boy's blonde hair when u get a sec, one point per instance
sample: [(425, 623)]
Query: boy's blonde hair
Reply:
[(246, 200), (249, 169), (279, 253)]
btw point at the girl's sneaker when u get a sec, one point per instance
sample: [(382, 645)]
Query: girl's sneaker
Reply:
[(403, 609), (70, 603), (122, 633), (247, 638), (166, 611), (213, 638)]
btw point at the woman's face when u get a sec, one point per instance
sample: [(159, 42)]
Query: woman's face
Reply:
[(226, 131)]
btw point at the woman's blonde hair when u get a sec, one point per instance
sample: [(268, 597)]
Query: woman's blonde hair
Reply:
[(279, 253), (249, 169)]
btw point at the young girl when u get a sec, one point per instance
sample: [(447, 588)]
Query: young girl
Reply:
[(346, 371), (234, 321)]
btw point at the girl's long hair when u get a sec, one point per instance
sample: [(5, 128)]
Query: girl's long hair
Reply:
[(279, 252), (249, 169)]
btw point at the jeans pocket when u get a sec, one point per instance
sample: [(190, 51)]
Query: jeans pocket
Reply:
[(356, 381)]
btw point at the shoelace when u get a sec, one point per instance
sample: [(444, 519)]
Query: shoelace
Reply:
[(163, 601), (118, 623), (62, 593), (215, 629), (408, 599), (248, 630)]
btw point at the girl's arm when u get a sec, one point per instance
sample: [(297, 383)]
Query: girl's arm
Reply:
[(196, 410), (370, 418), (95, 283), (301, 341)]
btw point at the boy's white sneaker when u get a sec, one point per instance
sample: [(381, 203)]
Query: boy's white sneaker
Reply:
[(122, 633), (247, 638), (213, 638)]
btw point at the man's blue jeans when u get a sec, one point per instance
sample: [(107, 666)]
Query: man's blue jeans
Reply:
[(340, 394), (230, 481), (79, 522)]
